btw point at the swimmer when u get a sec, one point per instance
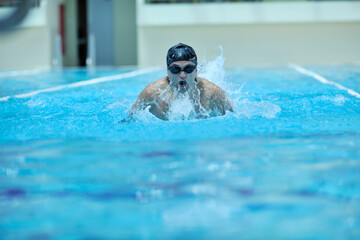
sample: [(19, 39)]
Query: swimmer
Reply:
[(208, 99)]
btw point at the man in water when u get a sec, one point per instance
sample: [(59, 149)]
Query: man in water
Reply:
[(207, 99)]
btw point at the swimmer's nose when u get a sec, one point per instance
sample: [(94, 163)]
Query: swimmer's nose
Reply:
[(182, 74)]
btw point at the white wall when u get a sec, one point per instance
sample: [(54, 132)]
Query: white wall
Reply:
[(24, 48), (252, 33)]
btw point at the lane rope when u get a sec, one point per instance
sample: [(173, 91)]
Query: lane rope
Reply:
[(84, 83), (322, 79)]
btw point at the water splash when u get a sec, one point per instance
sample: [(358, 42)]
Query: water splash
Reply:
[(214, 70), (248, 109), (337, 100), (182, 108)]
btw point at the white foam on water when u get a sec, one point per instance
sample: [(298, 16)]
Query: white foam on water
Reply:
[(337, 100), (181, 109), (248, 109)]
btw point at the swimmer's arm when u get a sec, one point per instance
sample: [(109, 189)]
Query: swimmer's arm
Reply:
[(143, 100), (228, 105), (221, 101), (217, 98)]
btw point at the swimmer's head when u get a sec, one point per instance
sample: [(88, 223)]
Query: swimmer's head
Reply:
[(181, 52)]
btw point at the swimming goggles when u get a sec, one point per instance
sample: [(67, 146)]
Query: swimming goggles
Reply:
[(176, 69)]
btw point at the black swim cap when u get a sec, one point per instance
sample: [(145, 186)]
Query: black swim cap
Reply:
[(181, 52)]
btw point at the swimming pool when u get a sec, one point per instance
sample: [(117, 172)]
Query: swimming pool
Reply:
[(284, 165)]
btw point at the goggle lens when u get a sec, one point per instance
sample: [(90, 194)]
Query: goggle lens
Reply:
[(177, 69)]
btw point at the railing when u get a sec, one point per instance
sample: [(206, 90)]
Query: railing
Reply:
[(13, 12)]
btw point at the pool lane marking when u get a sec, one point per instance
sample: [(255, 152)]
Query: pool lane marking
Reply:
[(19, 73), (85, 83), (322, 79)]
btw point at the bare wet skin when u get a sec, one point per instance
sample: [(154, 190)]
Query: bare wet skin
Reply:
[(182, 95)]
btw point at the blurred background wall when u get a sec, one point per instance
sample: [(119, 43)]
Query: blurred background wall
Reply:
[(139, 32), (253, 33), (29, 44)]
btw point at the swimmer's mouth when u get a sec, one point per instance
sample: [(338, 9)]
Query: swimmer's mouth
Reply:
[(182, 83)]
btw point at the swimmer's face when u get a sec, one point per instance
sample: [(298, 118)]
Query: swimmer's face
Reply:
[(182, 75)]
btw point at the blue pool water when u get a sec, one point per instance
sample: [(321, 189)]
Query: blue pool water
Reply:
[(284, 165)]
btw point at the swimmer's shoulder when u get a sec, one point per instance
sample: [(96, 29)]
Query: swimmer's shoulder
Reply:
[(156, 87), (213, 94), (208, 88)]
